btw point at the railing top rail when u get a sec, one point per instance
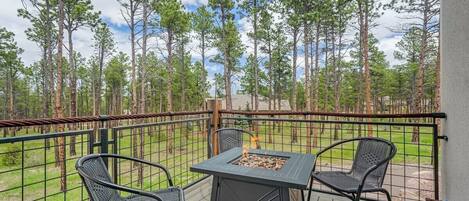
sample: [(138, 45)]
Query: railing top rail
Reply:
[(49, 121), (334, 122), (43, 136), (266, 112), (158, 123)]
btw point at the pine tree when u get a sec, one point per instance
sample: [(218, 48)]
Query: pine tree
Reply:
[(11, 67), (227, 42), (173, 20), (426, 13), (202, 23)]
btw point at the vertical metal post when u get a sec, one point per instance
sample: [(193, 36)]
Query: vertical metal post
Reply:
[(103, 133), (209, 135), (436, 167), (91, 142), (104, 143), (114, 151)]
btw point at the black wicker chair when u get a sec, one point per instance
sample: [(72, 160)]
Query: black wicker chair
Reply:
[(367, 173), (97, 181), (231, 137)]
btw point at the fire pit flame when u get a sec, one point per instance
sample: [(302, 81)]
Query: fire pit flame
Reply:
[(245, 151), (253, 145), (254, 142)]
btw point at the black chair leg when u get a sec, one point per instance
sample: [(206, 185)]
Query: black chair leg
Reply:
[(302, 195), (357, 197), (388, 196), (310, 188)]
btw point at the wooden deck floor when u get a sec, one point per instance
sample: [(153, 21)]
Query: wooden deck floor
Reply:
[(201, 192)]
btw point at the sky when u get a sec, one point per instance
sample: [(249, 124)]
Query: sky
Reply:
[(110, 13)]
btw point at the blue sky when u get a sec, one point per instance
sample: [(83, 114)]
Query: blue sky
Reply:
[(110, 12)]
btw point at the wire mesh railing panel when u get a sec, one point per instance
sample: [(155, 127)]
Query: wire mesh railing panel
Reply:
[(42, 167), (177, 143), (410, 175)]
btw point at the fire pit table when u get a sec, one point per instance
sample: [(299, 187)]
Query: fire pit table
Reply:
[(257, 175)]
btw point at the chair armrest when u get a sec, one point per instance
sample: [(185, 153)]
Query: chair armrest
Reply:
[(168, 176), (119, 187)]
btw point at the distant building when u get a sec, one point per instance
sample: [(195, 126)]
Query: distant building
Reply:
[(240, 101)]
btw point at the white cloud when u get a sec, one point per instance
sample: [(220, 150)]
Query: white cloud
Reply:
[(388, 45), (17, 25), (110, 11), (82, 38), (194, 2), (245, 26), (388, 33)]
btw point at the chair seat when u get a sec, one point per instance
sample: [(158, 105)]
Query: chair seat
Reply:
[(171, 194), (342, 181)]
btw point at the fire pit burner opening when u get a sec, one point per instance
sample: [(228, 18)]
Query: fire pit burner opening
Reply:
[(252, 160)]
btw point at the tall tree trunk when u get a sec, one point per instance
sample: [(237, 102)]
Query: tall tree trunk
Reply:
[(58, 99), (359, 105), (202, 73), (98, 86), (270, 75), (49, 68), (50, 54), (73, 88), (316, 64), (367, 67), (226, 62), (45, 94), (437, 83), (11, 103), (326, 70), (256, 67), (143, 65), (271, 91), (337, 76), (169, 94), (134, 107), (183, 76), (294, 90), (307, 83), (144, 56), (421, 68), (255, 105)]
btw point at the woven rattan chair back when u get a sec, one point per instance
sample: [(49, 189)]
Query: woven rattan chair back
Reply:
[(95, 167), (370, 152)]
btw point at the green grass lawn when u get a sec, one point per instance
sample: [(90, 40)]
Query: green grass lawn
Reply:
[(41, 177)]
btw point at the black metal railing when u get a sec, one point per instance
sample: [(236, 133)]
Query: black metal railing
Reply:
[(31, 170), (176, 144), (413, 173)]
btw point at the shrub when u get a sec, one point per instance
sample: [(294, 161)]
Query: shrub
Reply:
[(12, 156)]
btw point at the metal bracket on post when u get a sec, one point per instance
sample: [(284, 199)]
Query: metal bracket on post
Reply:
[(443, 137)]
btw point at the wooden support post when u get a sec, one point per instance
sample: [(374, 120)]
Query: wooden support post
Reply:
[(214, 105)]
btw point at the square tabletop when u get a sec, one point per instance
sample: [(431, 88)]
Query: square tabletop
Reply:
[(295, 173)]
